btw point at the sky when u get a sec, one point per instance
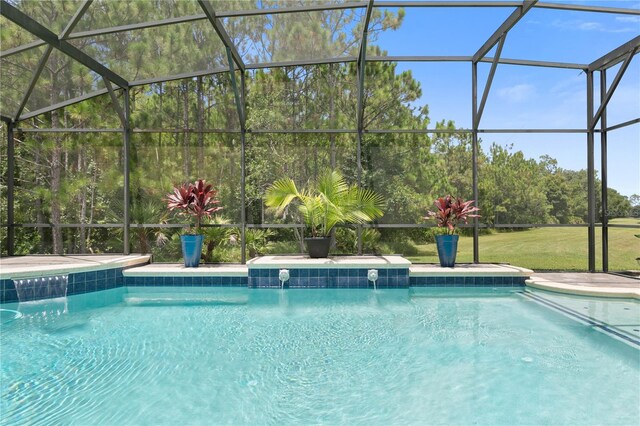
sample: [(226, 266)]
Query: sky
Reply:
[(529, 97)]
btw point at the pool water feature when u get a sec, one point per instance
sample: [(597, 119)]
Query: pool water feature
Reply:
[(349, 356)]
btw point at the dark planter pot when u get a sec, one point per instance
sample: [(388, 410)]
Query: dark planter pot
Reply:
[(447, 249), (191, 249), (318, 247)]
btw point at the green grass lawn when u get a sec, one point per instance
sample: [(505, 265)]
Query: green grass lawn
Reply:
[(547, 248)]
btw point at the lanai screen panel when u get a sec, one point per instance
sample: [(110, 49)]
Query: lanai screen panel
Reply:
[(432, 31), (109, 13), (301, 36), (62, 79), (306, 97), (16, 72), (242, 5), (158, 52), (570, 36), (53, 14), (13, 36)]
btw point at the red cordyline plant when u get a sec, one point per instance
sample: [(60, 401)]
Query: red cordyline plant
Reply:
[(196, 199), (451, 211)]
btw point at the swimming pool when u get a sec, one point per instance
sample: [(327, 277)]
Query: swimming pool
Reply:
[(348, 356)]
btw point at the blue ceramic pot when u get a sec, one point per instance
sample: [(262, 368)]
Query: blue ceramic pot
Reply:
[(191, 249), (447, 249)]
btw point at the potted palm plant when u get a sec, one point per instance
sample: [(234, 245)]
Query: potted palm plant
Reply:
[(324, 204), (449, 213), (198, 200)]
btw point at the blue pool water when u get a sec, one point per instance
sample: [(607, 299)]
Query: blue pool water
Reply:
[(240, 356)]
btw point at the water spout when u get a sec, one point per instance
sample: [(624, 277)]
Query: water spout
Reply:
[(31, 289), (372, 276), (283, 276)]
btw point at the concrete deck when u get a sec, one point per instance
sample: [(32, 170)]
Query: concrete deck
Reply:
[(47, 265), (587, 284)]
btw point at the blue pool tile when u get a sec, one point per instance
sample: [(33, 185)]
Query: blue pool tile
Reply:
[(333, 272), (80, 288), (343, 282), (10, 296), (101, 284), (294, 273)]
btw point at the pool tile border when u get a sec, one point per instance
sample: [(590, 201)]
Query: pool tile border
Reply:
[(467, 281), (394, 274), (328, 278)]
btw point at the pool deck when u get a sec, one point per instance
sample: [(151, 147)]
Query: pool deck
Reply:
[(586, 284), (45, 265)]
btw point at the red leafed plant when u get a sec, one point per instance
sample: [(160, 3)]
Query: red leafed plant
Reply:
[(451, 211), (196, 199)]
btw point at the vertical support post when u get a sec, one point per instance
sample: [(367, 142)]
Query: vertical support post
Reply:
[(243, 143), (474, 156), (359, 183), (603, 174), (126, 132), (11, 160), (240, 98), (591, 195), (362, 61)]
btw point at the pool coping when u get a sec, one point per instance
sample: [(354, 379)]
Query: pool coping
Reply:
[(610, 292), (77, 265), (342, 262)]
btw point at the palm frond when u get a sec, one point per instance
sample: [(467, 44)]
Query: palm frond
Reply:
[(281, 194)]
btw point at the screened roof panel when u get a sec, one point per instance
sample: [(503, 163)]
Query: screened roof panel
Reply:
[(569, 36), (109, 13), (12, 35), (16, 72), (53, 14), (433, 31), (62, 79), (237, 5), (286, 37), (605, 3), (159, 51)]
